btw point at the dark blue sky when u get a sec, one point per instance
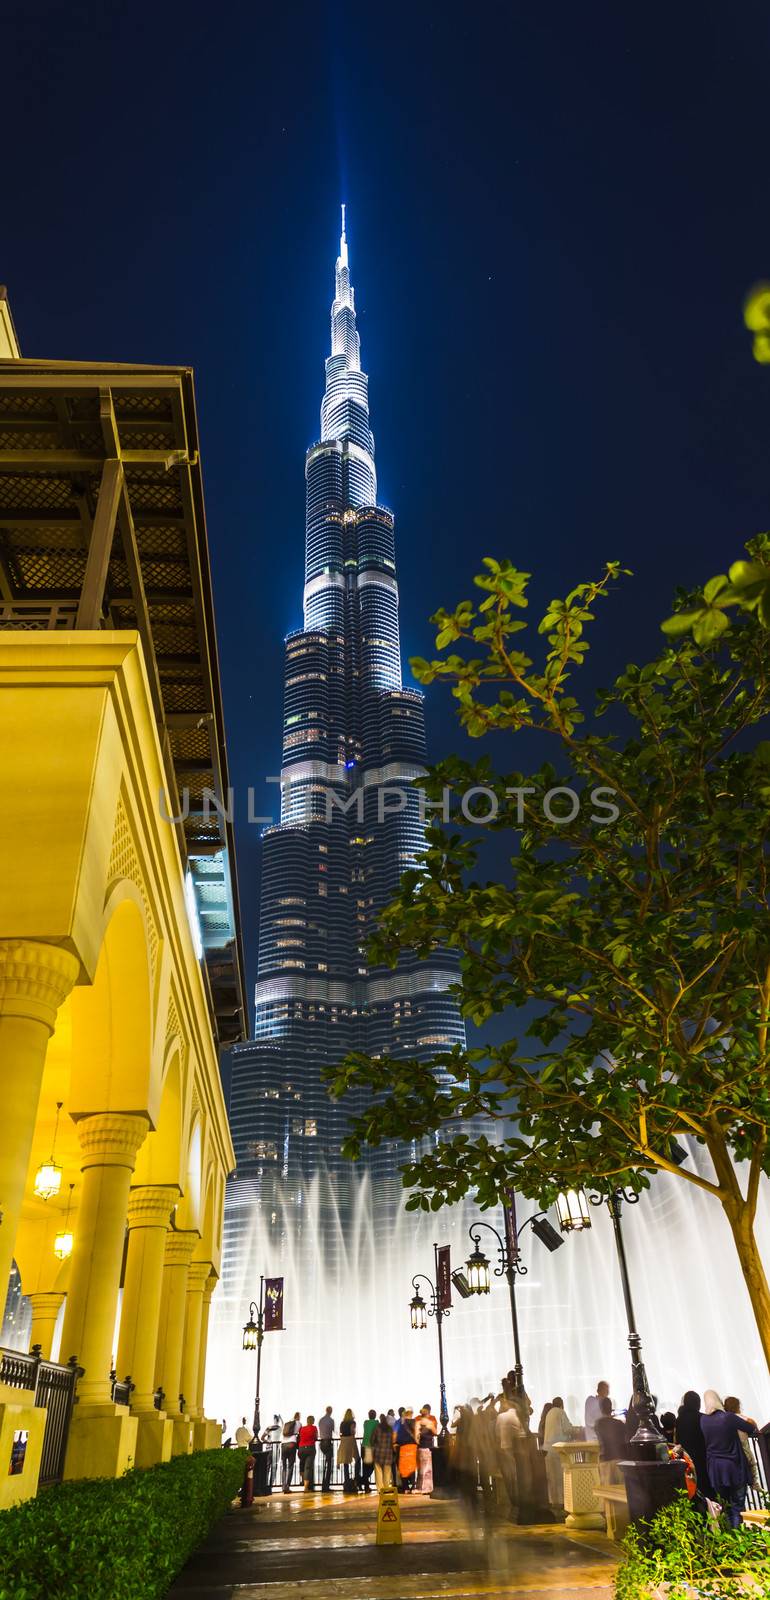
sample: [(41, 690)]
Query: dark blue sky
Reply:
[(554, 213)]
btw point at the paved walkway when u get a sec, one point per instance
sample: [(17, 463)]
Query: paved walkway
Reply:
[(325, 1544)]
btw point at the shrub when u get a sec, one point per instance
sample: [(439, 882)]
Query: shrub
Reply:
[(690, 1556), (115, 1539)]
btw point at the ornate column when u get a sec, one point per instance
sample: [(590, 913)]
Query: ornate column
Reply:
[(211, 1283), (34, 980), (45, 1310), (168, 1361), (206, 1435), (196, 1285), (149, 1213), (110, 1142)]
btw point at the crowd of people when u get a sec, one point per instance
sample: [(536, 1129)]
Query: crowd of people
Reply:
[(395, 1447), (491, 1447)]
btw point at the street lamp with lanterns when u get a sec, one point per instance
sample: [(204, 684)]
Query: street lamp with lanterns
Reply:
[(253, 1334), (575, 1217), (419, 1311), (510, 1266)]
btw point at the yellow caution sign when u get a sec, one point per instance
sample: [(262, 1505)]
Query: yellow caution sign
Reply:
[(388, 1518)]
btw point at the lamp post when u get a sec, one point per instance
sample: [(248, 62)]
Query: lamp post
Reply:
[(575, 1217), (253, 1334), (510, 1266), (648, 1437), (419, 1313)]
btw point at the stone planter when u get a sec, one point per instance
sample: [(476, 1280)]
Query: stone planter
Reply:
[(580, 1462)]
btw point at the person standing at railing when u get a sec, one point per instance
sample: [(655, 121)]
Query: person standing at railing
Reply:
[(367, 1452), (732, 1403), (382, 1451), (347, 1454), (724, 1455), (558, 1430), (306, 1443), (326, 1431), (689, 1434), (427, 1428), (406, 1441), (289, 1450)]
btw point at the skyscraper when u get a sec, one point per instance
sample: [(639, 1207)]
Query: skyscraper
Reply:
[(353, 744)]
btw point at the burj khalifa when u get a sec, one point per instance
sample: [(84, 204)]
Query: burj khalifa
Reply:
[(350, 825)]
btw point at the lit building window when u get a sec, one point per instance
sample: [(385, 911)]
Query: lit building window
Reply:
[(262, 1150)]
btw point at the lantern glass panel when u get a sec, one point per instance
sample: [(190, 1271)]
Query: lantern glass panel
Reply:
[(573, 1213), (477, 1272), (417, 1312)]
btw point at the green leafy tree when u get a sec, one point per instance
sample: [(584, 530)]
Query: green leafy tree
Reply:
[(630, 951), (745, 588)]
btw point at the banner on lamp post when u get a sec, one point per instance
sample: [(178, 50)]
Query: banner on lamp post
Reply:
[(511, 1231), (273, 1305), (443, 1278)]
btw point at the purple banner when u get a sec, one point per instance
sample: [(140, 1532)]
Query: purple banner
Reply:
[(443, 1278), (273, 1305), (511, 1234)]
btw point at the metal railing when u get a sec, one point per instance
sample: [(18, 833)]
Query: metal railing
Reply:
[(53, 1386), (295, 1480), (122, 1389), (37, 615), (756, 1493)]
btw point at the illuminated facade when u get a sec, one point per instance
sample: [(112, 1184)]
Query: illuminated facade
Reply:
[(354, 741), (114, 1141)]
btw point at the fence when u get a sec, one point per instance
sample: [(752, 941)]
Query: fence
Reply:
[(756, 1494), (37, 615), (122, 1389), (53, 1387), (295, 1481)]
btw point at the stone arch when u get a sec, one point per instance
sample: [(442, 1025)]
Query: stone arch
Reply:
[(190, 1206), (112, 1017), (208, 1243), (160, 1158)]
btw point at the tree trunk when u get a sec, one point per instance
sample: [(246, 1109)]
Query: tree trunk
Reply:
[(741, 1224)]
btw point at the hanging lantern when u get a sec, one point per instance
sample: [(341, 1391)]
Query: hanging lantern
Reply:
[(477, 1271), (250, 1335), (572, 1211), (62, 1245), (48, 1176), (65, 1239), (417, 1312)]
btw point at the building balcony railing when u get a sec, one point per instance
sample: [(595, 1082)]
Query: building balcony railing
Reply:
[(47, 615)]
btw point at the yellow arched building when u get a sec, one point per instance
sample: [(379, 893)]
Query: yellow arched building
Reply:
[(120, 959)]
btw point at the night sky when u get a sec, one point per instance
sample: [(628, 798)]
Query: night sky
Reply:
[(554, 214)]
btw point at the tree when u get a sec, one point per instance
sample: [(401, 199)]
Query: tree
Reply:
[(630, 943)]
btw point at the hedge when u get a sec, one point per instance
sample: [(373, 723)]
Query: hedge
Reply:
[(115, 1539)]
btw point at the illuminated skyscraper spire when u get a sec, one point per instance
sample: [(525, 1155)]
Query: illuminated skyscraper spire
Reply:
[(337, 855)]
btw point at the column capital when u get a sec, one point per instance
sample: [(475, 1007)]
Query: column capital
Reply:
[(197, 1277), (111, 1139), (35, 978), (151, 1205), (211, 1283), (180, 1247), (45, 1303)]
